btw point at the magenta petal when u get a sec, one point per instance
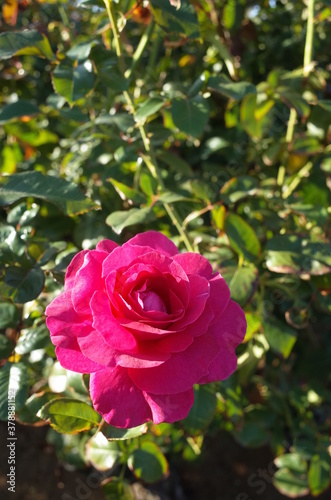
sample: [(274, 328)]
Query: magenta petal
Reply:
[(114, 334), (219, 294), (71, 358), (181, 371), (88, 279), (194, 263), (94, 347), (73, 269), (106, 246), (229, 330), (175, 342), (155, 240), (170, 407), (201, 325), (197, 303), (117, 399), (63, 321)]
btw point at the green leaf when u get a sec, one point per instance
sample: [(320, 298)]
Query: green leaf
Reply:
[(290, 484), (6, 347), (242, 237), (319, 475), (81, 51), (252, 435), (238, 188), (73, 81), (183, 21), (65, 195), (292, 461), (117, 489), (249, 116), (23, 285), (31, 43), (17, 110), (101, 453), (175, 162), (28, 413), (294, 100), (149, 107), (36, 338), (119, 220), (242, 282), (325, 104), (69, 416), (253, 325), (293, 254), (114, 433), (203, 409), (230, 89), (9, 315), (191, 115), (14, 386), (148, 462), (280, 336), (127, 193)]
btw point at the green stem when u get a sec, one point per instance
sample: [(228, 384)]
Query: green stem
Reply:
[(152, 165), (309, 38), (117, 42), (291, 125), (140, 49)]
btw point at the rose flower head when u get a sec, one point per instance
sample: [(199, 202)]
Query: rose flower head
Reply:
[(147, 323)]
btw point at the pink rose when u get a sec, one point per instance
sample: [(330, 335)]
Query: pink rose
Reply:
[(147, 323)]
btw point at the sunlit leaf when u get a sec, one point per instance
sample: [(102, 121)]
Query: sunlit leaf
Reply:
[(65, 195)]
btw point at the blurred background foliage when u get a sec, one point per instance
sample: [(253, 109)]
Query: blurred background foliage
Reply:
[(206, 120)]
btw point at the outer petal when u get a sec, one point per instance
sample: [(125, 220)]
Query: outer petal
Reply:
[(117, 399), (88, 279), (155, 240), (181, 371), (219, 294), (194, 263), (73, 269), (94, 347), (63, 321), (229, 330), (71, 358), (170, 407), (106, 246)]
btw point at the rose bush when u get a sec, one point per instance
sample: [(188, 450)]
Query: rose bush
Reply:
[(147, 323)]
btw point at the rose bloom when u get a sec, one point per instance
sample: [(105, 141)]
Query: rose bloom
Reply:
[(147, 323)]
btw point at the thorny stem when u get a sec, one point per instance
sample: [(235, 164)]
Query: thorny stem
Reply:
[(150, 159)]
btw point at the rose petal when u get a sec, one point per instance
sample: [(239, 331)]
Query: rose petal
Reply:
[(94, 347), (106, 246), (114, 334), (88, 279), (170, 407), (73, 269), (198, 297), (63, 321), (155, 240), (176, 342), (194, 263), (117, 399), (71, 358), (229, 330), (219, 294), (181, 371)]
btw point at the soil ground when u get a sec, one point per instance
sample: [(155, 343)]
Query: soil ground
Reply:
[(226, 472)]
